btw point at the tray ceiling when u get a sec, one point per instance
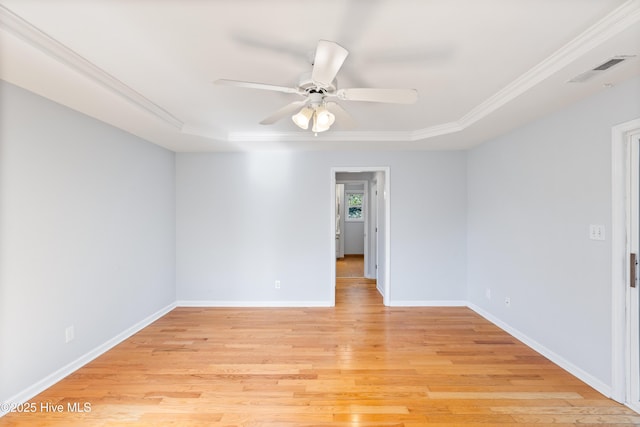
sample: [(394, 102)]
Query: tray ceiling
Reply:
[(481, 68)]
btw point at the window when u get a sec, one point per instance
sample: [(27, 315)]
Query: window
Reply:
[(355, 207)]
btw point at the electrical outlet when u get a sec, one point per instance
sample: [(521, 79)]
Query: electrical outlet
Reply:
[(507, 301), (596, 232), (277, 284), (487, 293), (69, 334)]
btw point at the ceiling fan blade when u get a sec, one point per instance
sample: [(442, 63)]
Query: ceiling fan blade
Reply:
[(285, 111), (251, 85), (329, 58), (342, 116), (393, 96)]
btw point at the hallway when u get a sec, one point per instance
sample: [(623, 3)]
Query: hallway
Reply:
[(350, 266)]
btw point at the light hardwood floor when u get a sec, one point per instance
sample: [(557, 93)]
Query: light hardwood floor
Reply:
[(350, 266), (358, 364)]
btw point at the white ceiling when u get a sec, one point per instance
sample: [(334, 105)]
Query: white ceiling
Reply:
[(481, 67)]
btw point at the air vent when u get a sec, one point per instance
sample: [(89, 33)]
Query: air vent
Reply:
[(587, 75), (610, 63)]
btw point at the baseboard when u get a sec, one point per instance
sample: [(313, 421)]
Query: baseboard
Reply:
[(427, 303), (49, 380), (253, 304), (549, 354)]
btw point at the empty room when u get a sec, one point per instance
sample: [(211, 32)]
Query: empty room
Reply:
[(336, 213)]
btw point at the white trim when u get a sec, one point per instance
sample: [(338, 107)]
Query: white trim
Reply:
[(352, 136), (37, 388), (619, 178), (429, 303), (53, 48), (621, 18), (366, 218), (632, 344), (370, 268), (554, 357), (386, 198), (635, 407), (341, 224), (332, 232), (253, 304), (387, 226), (298, 136)]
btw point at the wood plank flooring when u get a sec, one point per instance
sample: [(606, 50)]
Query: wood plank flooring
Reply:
[(350, 266), (358, 364)]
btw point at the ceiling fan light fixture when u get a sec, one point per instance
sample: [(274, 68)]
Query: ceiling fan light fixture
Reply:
[(301, 119), (322, 119)]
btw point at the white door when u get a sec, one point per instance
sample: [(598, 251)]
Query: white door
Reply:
[(340, 220), (371, 267), (625, 242), (633, 290)]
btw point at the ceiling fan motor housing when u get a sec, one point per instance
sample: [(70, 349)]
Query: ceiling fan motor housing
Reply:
[(306, 83)]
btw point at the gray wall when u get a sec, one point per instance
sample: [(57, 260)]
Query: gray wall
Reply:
[(88, 235), (354, 238), (532, 195), (238, 231)]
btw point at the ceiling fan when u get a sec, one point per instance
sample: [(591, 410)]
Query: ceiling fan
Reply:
[(320, 86)]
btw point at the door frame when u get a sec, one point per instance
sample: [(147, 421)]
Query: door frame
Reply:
[(365, 213), (371, 270), (340, 212), (387, 225), (625, 329)]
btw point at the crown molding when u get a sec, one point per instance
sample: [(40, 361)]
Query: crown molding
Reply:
[(438, 130), (615, 22), (205, 131), (371, 136), (50, 46), (325, 136)]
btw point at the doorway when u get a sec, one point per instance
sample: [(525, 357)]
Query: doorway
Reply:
[(633, 250), (625, 246), (376, 224), (354, 220)]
